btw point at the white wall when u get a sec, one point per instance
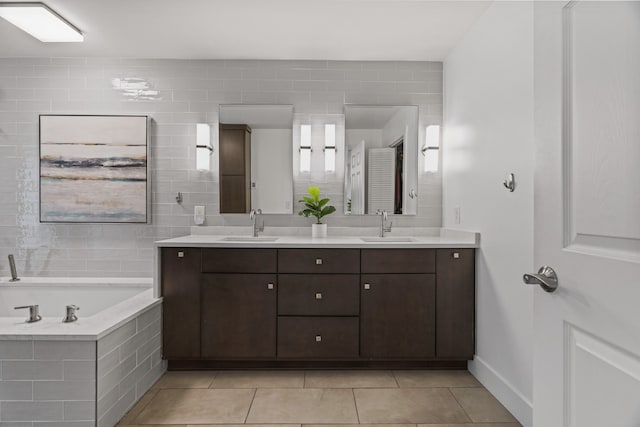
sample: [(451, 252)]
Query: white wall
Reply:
[(271, 170), (488, 133)]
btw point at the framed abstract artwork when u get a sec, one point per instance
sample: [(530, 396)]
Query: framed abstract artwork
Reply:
[(94, 169)]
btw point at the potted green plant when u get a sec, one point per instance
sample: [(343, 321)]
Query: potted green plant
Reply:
[(317, 207)]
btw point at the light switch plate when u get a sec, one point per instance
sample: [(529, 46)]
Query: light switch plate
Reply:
[(198, 215)]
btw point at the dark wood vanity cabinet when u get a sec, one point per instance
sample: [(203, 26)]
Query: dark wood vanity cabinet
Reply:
[(398, 316), (292, 307), (238, 301), (181, 271), (238, 316), (456, 303)]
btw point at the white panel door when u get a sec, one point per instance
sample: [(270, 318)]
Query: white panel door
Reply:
[(357, 179), (587, 213), (381, 186)]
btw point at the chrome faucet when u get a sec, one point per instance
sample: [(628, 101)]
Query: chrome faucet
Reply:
[(12, 267), (34, 312), (253, 216), (71, 314), (383, 222)]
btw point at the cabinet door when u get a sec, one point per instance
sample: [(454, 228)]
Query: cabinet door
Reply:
[(397, 317), (456, 303), (181, 303), (239, 316)]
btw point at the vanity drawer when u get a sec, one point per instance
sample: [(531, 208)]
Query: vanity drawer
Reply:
[(226, 260), (318, 337), (319, 261), (318, 295), (398, 261)]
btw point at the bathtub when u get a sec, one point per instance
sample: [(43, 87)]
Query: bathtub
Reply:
[(86, 373)]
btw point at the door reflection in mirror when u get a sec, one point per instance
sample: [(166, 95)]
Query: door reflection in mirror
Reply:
[(381, 166)]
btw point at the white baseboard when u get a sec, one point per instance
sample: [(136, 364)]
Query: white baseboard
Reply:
[(503, 390)]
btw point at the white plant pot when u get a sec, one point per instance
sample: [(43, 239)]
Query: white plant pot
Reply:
[(318, 230)]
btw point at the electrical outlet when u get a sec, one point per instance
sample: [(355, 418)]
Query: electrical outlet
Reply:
[(198, 215), (456, 215)]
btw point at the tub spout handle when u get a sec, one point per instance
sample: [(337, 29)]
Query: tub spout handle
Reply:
[(34, 313), (71, 314)]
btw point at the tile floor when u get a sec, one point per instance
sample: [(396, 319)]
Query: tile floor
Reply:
[(316, 398)]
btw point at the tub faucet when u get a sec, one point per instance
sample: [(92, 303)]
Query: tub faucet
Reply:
[(71, 314), (253, 216), (12, 267), (383, 222), (34, 313)]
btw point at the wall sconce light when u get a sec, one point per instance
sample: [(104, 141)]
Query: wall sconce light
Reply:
[(40, 21), (330, 148), (431, 148), (203, 147), (305, 148)]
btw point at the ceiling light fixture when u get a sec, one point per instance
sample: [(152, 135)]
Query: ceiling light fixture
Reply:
[(41, 22)]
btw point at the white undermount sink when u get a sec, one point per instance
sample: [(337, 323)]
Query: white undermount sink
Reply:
[(388, 239), (249, 239)]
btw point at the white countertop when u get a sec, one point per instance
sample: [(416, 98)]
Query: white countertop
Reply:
[(339, 237)]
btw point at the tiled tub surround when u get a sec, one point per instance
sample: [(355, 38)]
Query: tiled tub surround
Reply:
[(188, 92), (55, 374)]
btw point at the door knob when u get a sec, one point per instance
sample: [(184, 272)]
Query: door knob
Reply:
[(546, 278)]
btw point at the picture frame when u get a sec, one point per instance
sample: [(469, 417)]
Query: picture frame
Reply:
[(94, 169)]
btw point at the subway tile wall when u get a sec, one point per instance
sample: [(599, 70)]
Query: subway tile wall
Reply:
[(176, 94), (48, 383), (129, 362)]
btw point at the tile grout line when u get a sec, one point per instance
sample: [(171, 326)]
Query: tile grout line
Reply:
[(459, 404), (255, 391), (215, 375), (393, 373), (355, 404)]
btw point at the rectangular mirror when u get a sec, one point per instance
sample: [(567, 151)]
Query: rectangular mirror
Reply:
[(381, 163), (255, 155)]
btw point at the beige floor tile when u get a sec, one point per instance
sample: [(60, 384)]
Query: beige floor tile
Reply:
[(472, 425), (481, 406), (349, 379), (259, 379), (410, 405), (306, 406), (186, 379), (137, 408), (197, 406), (365, 425), (407, 379), (247, 425)]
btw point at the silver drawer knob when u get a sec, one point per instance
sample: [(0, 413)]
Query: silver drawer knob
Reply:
[(456, 255), (367, 286), (270, 286), (318, 261), (318, 338), (318, 295), (180, 254)]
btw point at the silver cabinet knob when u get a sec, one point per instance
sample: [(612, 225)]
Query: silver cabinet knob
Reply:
[(270, 286), (546, 278), (180, 254), (318, 261), (318, 295), (367, 286), (456, 255), (318, 338)]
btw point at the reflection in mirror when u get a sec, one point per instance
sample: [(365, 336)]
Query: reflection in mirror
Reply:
[(255, 151), (381, 164)]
